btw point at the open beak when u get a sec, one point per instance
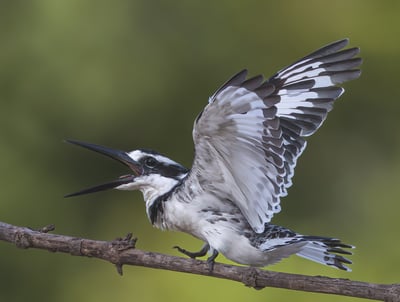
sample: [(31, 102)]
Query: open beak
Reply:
[(118, 155)]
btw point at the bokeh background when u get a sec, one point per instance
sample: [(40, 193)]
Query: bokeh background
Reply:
[(131, 74)]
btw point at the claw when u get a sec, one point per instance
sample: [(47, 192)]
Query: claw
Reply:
[(121, 244)]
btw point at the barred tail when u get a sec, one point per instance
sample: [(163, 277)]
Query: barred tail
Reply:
[(325, 251)]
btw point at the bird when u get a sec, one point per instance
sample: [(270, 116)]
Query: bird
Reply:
[(247, 141)]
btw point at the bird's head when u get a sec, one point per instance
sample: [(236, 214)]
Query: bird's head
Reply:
[(151, 172)]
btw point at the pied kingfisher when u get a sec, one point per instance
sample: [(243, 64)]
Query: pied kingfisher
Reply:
[(247, 141)]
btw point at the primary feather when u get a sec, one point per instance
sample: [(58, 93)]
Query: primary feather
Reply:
[(252, 131)]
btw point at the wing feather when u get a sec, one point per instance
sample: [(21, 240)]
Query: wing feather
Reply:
[(249, 136)]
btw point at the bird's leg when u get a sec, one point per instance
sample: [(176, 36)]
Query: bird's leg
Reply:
[(211, 260), (193, 255)]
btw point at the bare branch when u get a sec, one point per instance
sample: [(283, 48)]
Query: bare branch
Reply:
[(122, 251)]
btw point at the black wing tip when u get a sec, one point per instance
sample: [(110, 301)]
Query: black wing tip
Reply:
[(339, 44), (344, 41), (236, 80), (239, 77), (332, 48), (354, 74)]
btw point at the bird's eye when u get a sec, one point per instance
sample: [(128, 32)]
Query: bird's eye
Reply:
[(150, 162)]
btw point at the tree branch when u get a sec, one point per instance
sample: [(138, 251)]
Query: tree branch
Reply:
[(123, 251)]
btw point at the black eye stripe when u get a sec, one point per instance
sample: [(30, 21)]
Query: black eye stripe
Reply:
[(151, 165), (172, 170), (150, 162)]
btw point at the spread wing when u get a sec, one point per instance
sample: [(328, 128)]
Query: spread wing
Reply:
[(249, 136)]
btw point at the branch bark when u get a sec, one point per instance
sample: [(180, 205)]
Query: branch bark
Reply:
[(122, 251)]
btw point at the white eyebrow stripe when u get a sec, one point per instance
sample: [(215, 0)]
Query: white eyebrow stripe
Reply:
[(139, 154)]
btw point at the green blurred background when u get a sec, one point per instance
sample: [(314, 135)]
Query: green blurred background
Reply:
[(131, 74)]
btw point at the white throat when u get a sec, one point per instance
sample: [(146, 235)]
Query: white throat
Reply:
[(155, 185)]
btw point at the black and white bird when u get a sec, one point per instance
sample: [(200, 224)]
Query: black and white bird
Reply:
[(247, 141)]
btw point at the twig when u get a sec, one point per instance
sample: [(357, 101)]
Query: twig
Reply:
[(122, 251)]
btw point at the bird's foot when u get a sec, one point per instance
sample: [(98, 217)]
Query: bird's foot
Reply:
[(121, 244), (193, 255), (211, 260)]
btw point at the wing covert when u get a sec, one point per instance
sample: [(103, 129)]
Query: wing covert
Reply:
[(248, 138)]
